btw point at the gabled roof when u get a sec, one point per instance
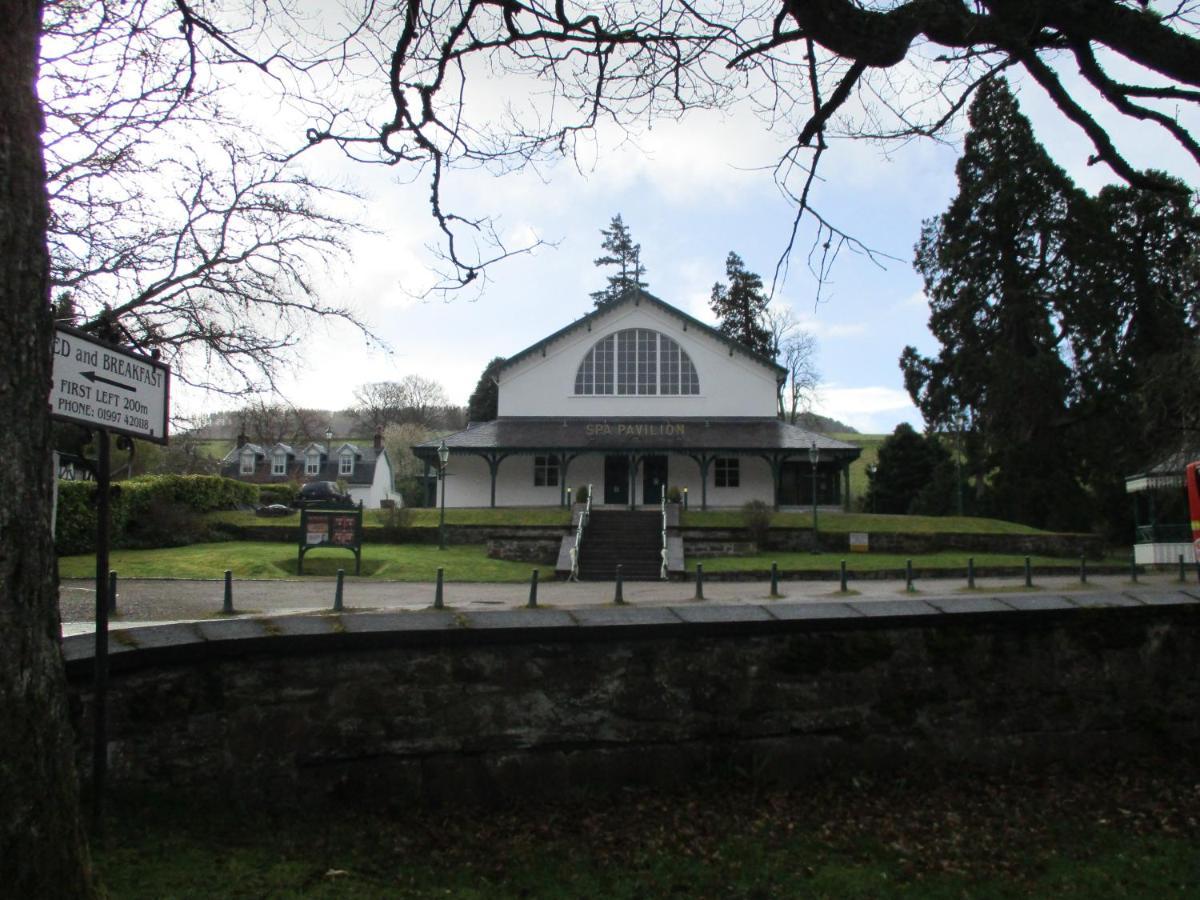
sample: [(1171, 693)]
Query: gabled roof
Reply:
[(636, 297)]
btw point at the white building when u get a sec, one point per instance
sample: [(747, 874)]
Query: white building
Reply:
[(635, 398)]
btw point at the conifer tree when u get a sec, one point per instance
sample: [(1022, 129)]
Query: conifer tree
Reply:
[(996, 269), (626, 256), (741, 307), (485, 399)]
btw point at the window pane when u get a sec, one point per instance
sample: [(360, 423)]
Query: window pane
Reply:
[(604, 367), (647, 361), (627, 362)]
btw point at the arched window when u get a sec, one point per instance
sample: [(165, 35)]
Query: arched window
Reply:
[(636, 361)]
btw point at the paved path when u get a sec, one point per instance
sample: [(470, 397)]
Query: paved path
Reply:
[(142, 601)]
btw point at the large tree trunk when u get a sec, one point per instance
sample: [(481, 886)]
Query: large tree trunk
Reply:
[(42, 849)]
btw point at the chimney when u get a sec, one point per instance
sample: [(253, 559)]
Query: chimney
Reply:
[(378, 439)]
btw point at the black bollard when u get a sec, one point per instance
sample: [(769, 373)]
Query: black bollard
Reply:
[(337, 591), (1182, 570), (112, 592), (1028, 573), (1083, 570), (1132, 567), (908, 579), (533, 589), (699, 582), (971, 572), (618, 595), (774, 579), (227, 608), (437, 591), (843, 576)]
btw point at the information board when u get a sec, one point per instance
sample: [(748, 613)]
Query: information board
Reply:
[(102, 386), (340, 528)]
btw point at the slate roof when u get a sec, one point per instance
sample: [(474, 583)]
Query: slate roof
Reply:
[(1166, 472), (675, 435), (640, 296)]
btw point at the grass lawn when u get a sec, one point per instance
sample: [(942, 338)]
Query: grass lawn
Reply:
[(422, 518), (260, 559), (875, 562), (843, 523), (1126, 833)]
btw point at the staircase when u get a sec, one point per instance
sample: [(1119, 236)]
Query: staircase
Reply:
[(631, 538)]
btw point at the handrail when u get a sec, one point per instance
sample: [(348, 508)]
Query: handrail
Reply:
[(662, 574), (583, 520)]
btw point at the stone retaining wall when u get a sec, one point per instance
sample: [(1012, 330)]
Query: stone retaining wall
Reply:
[(395, 709), (1071, 546)]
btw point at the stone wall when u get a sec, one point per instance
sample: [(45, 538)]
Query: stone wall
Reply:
[(1069, 546), (419, 707)]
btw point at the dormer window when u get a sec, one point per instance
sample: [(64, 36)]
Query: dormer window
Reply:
[(279, 463), (346, 463), (312, 464), (247, 462)]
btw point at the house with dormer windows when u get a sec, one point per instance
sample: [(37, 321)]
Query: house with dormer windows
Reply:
[(635, 398), (367, 471)]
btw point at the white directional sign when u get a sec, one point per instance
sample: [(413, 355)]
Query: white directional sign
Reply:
[(103, 386)]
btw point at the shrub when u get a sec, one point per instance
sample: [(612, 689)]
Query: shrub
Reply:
[(278, 493), (756, 517), (674, 495), (149, 511)]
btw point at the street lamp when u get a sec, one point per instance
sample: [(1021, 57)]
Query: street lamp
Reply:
[(443, 458), (814, 457), (328, 445), (871, 470)]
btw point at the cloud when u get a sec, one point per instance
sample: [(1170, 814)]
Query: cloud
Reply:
[(872, 409)]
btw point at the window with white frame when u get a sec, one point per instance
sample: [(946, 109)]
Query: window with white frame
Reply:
[(636, 361), (346, 463), (247, 459), (279, 463), (545, 471), (727, 472), (312, 464)]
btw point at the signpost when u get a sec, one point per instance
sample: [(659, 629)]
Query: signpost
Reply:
[(331, 528), (110, 389)]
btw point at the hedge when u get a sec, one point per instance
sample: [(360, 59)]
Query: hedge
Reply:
[(150, 511)]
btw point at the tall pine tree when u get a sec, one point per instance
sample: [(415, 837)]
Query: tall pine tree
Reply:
[(626, 256), (741, 307), (995, 271)]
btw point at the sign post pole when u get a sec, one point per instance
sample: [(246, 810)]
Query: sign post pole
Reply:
[(100, 680)]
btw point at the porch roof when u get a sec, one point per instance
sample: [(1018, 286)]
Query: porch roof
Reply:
[(736, 436)]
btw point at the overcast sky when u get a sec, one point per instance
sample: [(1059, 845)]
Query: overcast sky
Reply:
[(689, 194)]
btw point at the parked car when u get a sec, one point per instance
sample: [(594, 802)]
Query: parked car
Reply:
[(274, 509), (322, 493)]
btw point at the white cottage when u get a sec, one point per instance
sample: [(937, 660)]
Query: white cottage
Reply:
[(635, 398)]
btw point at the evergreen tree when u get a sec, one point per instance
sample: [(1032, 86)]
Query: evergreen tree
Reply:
[(996, 273), (623, 253), (485, 399), (911, 472), (741, 308)]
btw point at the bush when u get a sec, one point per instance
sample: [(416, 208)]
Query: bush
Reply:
[(149, 511), (674, 495), (278, 493), (756, 517)]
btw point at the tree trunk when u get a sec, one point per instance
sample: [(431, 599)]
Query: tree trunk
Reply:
[(43, 852)]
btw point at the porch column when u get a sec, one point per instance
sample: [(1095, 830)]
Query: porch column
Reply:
[(704, 460), (564, 460), (425, 487), (634, 459), (493, 461), (846, 492), (776, 463)]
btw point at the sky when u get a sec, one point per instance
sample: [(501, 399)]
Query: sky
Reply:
[(690, 193)]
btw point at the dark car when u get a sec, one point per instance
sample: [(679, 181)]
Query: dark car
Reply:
[(274, 509), (323, 493)]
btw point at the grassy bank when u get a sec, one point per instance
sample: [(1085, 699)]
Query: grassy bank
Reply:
[(1127, 832), (261, 559)]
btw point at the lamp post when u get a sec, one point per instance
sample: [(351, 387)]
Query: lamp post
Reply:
[(871, 470), (328, 445), (443, 458), (814, 456)]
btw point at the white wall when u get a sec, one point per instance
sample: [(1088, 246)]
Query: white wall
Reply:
[(730, 385)]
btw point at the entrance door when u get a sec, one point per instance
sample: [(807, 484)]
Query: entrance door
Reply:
[(616, 480), (654, 480)]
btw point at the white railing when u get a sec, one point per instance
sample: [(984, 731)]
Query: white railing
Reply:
[(583, 520), (663, 570)]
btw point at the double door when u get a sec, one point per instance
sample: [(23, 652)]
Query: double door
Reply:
[(617, 482)]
